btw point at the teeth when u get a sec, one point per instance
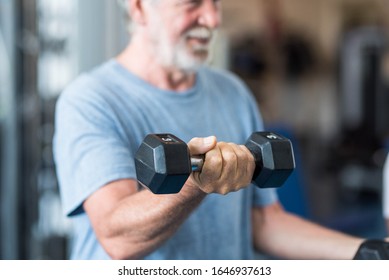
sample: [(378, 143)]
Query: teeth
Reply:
[(200, 33), (200, 48)]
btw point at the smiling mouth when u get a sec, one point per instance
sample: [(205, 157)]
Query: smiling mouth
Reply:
[(199, 40), (199, 36)]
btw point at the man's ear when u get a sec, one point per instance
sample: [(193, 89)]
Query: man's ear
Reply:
[(137, 12)]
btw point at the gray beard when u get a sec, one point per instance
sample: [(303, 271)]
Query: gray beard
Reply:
[(178, 56)]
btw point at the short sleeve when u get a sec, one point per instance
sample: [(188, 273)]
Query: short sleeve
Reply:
[(88, 148)]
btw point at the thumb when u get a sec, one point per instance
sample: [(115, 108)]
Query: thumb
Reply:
[(200, 146)]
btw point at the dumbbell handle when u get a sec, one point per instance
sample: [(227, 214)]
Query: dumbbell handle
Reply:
[(197, 162)]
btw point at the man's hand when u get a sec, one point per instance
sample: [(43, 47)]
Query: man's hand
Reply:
[(227, 167)]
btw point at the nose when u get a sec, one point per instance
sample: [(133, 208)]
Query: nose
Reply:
[(210, 15)]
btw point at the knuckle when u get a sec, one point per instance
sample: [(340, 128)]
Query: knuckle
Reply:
[(245, 152), (214, 161), (229, 156), (243, 157), (223, 190)]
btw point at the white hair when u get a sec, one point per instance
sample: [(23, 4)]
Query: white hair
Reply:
[(124, 6)]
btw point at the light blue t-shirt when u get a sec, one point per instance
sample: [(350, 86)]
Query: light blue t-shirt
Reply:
[(101, 119)]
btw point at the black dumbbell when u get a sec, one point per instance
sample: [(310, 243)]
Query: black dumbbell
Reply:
[(163, 162), (372, 249)]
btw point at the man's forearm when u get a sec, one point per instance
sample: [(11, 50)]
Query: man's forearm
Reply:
[(143, 221), (288, 236)]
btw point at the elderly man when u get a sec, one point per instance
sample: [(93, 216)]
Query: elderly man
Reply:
[(159, 83)]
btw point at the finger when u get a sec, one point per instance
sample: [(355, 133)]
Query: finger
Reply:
[(230, 160), (249, 163), (199, 146), (237, 166), (213, 165)]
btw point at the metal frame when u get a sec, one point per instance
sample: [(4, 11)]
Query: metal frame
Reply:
[(9, 211)]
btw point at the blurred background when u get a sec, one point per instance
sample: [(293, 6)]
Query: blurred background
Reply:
[(319, 71)]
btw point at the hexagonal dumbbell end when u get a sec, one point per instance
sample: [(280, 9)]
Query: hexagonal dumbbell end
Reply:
[(163, 163), (274, 159)]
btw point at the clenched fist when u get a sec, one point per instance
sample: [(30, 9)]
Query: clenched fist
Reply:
[(227, 167)]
